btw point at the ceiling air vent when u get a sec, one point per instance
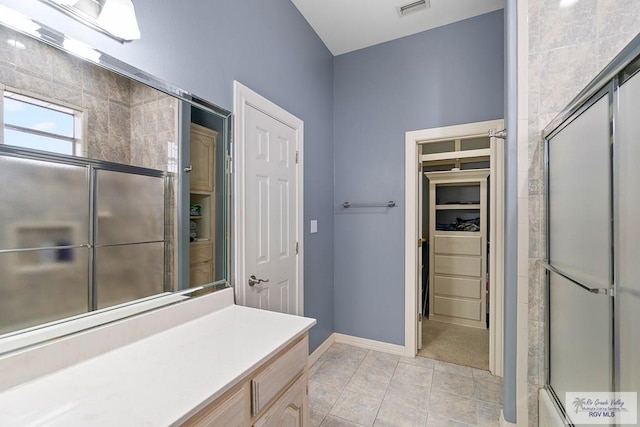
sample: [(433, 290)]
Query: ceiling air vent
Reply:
[(414, 6)]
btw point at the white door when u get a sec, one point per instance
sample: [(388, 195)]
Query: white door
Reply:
[(271, 200), (420, 264)]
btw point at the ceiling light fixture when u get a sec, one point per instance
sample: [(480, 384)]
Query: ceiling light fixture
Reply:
[(119, 17), (116, 18), (67, 2), (414, 7), (567, 3)]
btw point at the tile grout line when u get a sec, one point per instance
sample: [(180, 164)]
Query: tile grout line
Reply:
[(385, 391), (477, 382), (345, 389)]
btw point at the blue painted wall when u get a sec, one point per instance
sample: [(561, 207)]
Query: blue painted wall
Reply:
[(356, 108), (446, 76), (202, 46)]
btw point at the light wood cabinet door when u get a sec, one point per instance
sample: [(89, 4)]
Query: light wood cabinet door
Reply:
[(203, 147), (200, 252), (290, 410), (199, 274), (231, 412)]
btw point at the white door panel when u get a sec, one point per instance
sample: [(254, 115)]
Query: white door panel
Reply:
[(420, 278), (270, 216)]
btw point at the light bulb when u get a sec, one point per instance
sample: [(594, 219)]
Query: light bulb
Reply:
[(119, 18), (67, 2), (567, 3)]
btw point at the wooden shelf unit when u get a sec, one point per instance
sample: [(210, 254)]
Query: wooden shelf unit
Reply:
[(458, 259), (458, 207), (202, 192)]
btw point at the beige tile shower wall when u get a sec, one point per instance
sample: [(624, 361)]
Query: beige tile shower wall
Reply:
[(154, 144), (567, 47), (127, 122), (104, 97), (154, 125)]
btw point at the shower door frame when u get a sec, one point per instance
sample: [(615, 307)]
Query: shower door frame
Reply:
[(92, 167), (622, 68), (609, 91)]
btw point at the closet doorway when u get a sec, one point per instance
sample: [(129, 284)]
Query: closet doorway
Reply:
[(454, 286)]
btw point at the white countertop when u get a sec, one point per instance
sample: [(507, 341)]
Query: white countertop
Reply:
[(157, 381)]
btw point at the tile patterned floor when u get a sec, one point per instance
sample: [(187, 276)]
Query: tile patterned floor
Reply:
[(351, 386)]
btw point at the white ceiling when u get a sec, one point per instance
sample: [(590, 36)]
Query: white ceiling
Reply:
[(348, 25)]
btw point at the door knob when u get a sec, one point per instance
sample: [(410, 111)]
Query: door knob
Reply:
[(253, 281)]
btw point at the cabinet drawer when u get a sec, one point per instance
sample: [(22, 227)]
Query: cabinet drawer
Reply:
[(457, 287), (290, 409), (232, 411), (200, 253), (458, 245), (457, 308), (458, 265), (268, 383)]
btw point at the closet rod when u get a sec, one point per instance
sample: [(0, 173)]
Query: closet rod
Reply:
[(389, 204)]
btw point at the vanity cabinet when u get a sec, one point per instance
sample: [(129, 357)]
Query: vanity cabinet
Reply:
[(275, 394), (229, 411), (202, 200)]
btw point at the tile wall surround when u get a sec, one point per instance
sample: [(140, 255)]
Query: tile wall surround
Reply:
[(566, 48), (127, 122)]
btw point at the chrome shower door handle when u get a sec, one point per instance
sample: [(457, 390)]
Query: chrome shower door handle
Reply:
[(253, 281)]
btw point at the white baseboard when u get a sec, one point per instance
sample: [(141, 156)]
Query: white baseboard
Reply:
[(370, 344), (313, 357), (384, 347)]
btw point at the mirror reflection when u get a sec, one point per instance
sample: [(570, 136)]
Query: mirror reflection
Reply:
[(96, 208)]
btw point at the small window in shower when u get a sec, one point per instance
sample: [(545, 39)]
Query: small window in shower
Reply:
[(41, 125)]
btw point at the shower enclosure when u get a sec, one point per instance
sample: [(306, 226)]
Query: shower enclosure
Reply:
[(79, 235), (593, 239)]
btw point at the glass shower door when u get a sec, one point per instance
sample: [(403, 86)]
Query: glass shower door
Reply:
[(129, 237), (579, 258), (44, 244), (627, 179)]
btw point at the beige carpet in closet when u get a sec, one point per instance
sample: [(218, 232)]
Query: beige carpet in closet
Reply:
[(461, 345)]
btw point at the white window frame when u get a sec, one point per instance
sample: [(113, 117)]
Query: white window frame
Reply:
[(78, 147)]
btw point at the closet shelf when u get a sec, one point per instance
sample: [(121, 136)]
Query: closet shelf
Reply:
[(458, 207), (455, 233)]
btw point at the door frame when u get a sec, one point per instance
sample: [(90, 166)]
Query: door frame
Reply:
[(243, 97), (413, 140)]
